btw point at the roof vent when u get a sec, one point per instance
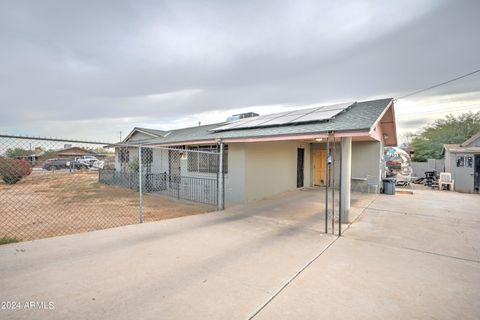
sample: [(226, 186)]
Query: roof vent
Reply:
[(242, 116)]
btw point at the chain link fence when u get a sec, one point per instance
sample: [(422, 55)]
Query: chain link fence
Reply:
[(51, 187)]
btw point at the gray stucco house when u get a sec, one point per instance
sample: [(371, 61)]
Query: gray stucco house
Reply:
[(262, 160), (463, 162)]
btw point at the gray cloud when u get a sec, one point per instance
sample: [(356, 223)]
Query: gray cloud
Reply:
[(130, 62)]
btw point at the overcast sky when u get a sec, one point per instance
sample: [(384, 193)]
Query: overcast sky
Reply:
[(90, 69)]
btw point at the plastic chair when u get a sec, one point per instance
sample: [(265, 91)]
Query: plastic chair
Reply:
[(445, 180), (372, 183)]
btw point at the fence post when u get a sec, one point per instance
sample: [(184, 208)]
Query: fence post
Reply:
[(179, 182), (327, 181), (140, 187), (333, 184), (221, 181), (340, 191)]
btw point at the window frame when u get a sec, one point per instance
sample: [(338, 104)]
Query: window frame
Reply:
[(460, 161), (195, 163), (147, 155)]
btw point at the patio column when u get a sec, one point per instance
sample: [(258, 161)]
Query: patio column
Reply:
[(346, 177)]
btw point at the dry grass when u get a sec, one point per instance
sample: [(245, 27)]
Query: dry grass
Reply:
[(49, 204)]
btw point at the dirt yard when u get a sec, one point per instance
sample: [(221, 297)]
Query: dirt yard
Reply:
[(48, 204)]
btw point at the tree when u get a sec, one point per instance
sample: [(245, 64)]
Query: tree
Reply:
[(17, 153), (428, 144)]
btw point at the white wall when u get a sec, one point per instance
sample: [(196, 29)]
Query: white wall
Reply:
[(160, 160), (235, 178), (448, 162), (367, 160), (271, 168)]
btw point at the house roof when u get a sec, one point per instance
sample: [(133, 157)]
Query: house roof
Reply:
[(74, 151), (150, 132), (361, 116), (450, 146), (153, 131), (472, 139), (464, 147), (459, 149)]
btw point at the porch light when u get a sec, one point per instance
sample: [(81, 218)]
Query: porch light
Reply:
[(318, 139)]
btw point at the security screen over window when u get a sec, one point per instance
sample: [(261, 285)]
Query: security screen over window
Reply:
[(469, 161), (206, 163)]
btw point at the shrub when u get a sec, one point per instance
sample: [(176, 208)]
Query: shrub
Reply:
[(13, 170), (7, 240)]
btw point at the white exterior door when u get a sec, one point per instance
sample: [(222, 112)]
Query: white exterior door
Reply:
[(464, 172)]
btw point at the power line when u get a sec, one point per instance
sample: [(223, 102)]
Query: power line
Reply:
[(439, 111), (439, 84)]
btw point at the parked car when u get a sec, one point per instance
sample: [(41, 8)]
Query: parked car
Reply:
[(87, 160), (57, 164), (98, 164)]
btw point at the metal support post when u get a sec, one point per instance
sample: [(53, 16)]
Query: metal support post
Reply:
[(333, 186), (220, 190), (327, 180), (140, 185), (340, 192)]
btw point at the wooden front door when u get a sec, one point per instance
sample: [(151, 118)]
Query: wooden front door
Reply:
[(319, 159)]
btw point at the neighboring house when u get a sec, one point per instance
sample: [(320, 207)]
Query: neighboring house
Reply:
[(463, 162), (32, 157), (267, 155), (72, 152)]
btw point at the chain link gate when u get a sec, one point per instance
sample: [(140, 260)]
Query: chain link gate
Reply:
[(51, 187), (191, 174)]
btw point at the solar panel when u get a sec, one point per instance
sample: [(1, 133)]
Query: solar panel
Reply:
[(317, 116), (288, 117), (283, 119)]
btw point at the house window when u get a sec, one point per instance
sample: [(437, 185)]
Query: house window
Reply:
[(460, 161), (206, 162), (469, 161), (147, 156), (123, 155)]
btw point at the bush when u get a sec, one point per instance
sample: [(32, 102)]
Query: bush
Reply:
[(7, 240), (13, 170)]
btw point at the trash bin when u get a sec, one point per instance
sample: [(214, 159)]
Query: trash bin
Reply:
[(389, 186)]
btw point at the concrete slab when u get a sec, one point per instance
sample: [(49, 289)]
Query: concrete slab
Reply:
[(361, 280), (305, 207), (453, 237), (214, 266), (433, 203), (440, 222), (407, 256)]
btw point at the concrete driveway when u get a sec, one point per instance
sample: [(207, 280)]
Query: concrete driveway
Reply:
[(404, 257)]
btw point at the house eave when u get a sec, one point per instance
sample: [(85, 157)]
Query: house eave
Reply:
[(141, 131), (374, 129), (309, 136)]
